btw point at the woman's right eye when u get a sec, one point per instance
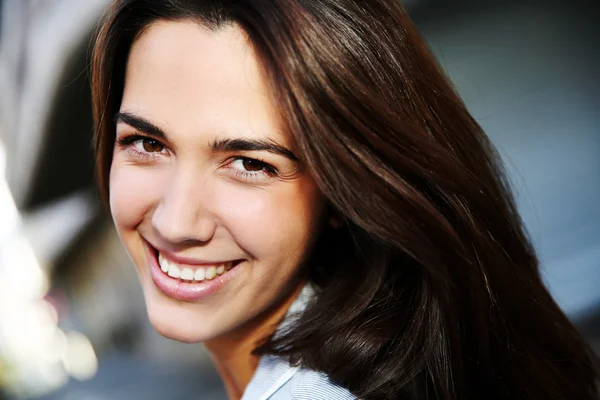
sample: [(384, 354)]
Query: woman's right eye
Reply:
[(142, 146), (148, 145)]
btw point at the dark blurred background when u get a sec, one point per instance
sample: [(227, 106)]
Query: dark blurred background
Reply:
[(72, 317)]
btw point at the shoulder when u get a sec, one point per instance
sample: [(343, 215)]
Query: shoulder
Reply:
[(307, 384)]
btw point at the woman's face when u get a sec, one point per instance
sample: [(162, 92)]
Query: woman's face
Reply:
[(205, 191)]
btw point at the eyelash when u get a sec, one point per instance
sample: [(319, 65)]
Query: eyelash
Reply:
[(128, 141), (267, 169)]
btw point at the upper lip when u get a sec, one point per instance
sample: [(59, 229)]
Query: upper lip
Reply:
[(184, 260)]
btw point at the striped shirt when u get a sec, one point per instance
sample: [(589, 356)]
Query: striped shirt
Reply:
[(276, 379)]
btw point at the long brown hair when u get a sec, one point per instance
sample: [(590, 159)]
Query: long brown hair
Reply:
[(430, 289)]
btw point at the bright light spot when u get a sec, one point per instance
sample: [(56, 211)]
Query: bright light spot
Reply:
[(9, 215), (2, 160), (28, 330), (80, 359), (51, 311), (55, 347), (22, 270), (54, 376)]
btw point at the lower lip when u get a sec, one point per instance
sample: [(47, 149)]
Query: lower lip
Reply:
[(187, 291)]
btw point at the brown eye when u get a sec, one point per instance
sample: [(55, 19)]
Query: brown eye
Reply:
[(253, 165), (250, 169), (152, 146)]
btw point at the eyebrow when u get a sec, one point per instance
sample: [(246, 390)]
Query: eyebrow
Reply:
[(141, 124), (145, 126), (253, 145)]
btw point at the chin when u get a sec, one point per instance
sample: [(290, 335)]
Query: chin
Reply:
[(179, 334), (176, 321)]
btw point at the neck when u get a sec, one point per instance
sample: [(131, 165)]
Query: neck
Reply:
[(232, 353)]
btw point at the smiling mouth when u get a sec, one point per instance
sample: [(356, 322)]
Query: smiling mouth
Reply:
[(192, 273)]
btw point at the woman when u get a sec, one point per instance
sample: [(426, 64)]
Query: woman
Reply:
[(301, 190)]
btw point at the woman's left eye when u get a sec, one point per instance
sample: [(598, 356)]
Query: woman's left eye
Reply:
[(251, 167)]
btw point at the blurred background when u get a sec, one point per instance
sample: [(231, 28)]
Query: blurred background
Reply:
[(72, 316)]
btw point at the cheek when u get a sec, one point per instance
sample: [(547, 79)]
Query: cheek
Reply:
[(273, 223), (133, 191)]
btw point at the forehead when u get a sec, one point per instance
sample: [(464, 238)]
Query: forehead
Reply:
[(196, 82)]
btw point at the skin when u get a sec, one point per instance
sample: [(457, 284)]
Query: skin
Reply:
[(179, 192)]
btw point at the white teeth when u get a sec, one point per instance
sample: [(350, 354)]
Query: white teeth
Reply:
[(199, 275), (187, 274), (211, 272), (174, 271), (164, 264)]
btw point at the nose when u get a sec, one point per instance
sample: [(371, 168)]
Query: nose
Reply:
[(183, 214)]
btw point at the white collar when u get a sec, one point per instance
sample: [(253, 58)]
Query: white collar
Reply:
[(273, 372)]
